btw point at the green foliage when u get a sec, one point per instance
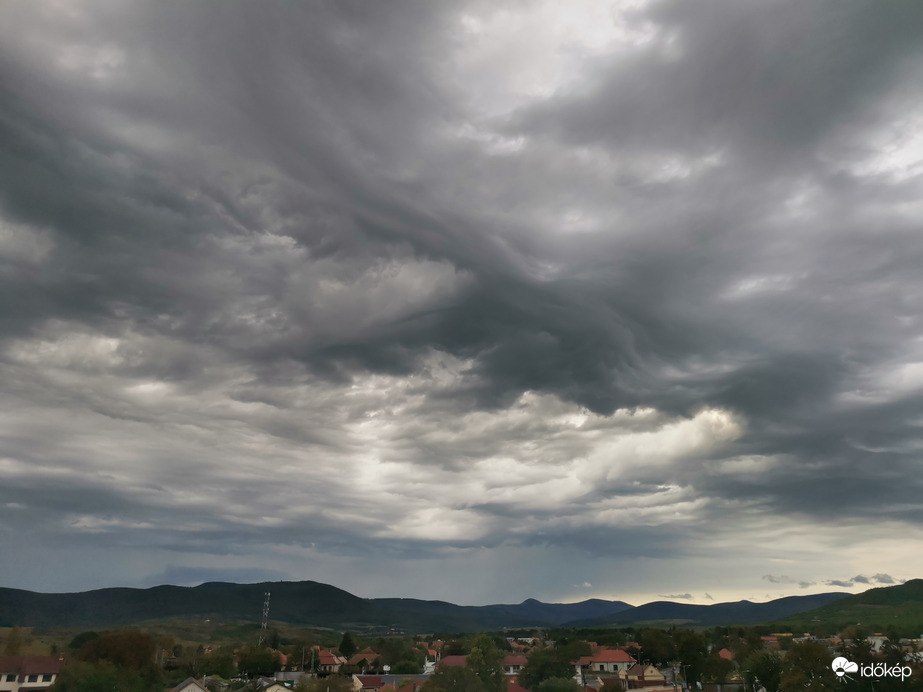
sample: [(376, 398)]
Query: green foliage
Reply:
[(486, 661), (762, 668), (86, 677), (453, 679), (544, 664), (14, 642), (258, 660), (558, 685), (716, 669), (898, 609), (657, 646), (333, 683), (807, 666), (744, 642), (690, 650), (396, 649), (455, 647), (219, 662), (612, 686), (130, 649), (347, 645), (406, 667)]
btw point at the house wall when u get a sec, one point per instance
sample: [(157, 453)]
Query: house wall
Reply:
[(9, 682)]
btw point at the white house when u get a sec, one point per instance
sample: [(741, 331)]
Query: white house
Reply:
[(29, 673)]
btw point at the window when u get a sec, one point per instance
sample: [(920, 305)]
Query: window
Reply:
[(47, 677), (11, 677), (33, 678)]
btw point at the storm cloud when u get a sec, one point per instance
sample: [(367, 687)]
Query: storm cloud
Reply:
[(601, 293)]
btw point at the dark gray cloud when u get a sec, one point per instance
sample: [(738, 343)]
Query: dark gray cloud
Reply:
[(412, 281), (876, 580)]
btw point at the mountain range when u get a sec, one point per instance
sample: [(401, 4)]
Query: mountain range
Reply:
[(322, 605)]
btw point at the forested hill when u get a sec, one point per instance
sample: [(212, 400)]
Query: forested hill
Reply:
[(736, 613), (305, 603), (876, 609), (323, 605)]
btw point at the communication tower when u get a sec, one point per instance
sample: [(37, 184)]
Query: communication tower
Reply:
[(264, 627)]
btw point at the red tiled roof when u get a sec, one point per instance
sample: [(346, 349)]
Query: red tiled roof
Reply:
[(726, 654), (638, 669), (370, 681), (358, 658), (328, 659), (513, 686), (611, 656), (514, 660), (453, 661), (31, 665)]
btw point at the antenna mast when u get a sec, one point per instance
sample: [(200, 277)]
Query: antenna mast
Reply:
[(265, 625)]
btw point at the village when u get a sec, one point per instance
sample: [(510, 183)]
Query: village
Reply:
[(663, 661)]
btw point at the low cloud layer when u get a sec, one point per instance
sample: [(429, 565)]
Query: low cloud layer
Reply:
[(306, 292)]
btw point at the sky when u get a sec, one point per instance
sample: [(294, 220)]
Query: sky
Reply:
[(472, 301)]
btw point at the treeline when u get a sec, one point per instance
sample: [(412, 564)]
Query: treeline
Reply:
[(135, 661)]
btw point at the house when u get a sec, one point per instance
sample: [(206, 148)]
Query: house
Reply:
[(29, 673), (640, 675), (368, 683), (513, 663), (189, 685), (364, 660), (604, 660), (329, 662)]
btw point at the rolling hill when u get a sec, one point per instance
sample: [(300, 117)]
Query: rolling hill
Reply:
[(877, 609), (322, 605), (736, 613)]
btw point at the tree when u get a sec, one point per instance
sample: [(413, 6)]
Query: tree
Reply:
[(347, 645), (329, 684), (612, 686), (129, 649), (541, 665), (406, 668), (455, 647), (86, 677), (486, 661), (657, 646), (256, 660), (78, 641), (14, 642), (807, 666), (453, 679), (219, 662), (690, 650), (715, 668), (83, 677), (558, 685), (762, 669)]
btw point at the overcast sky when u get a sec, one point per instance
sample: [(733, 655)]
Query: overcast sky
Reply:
[(474, 301)]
